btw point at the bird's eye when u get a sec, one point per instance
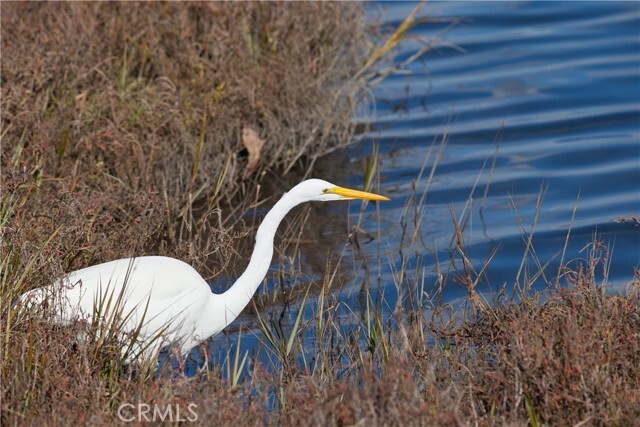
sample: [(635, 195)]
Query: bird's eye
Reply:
[(326, 190)]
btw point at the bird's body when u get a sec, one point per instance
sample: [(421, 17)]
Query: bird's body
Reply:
[(164, 300), (165, 297)]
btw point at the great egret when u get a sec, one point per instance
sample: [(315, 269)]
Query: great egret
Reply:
[(163, 300)]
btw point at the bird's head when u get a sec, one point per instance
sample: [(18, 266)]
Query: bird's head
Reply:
[(323, 191)]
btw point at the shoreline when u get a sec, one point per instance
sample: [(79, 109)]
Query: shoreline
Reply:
[(135, 139)]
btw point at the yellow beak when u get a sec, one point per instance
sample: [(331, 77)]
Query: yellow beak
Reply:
[(347, 193)]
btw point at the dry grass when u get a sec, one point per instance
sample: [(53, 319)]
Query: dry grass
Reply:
[(568, 355), (122, 123), (123, 136)]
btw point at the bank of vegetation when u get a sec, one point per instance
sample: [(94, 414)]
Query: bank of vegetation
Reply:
[(135, 129)]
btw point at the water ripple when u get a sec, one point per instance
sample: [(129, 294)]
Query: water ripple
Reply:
[(561, 81)]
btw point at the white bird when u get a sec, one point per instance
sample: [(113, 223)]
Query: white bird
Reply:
[(161, 300)]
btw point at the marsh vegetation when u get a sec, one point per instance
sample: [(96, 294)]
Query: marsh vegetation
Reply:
[(158, 129)]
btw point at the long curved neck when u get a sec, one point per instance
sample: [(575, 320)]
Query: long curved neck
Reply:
[(239, 295)]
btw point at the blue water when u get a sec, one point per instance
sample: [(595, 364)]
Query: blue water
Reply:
[(558, 85), (550, 92)]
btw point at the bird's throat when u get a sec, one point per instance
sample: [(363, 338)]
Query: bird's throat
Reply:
[(239, 295)]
